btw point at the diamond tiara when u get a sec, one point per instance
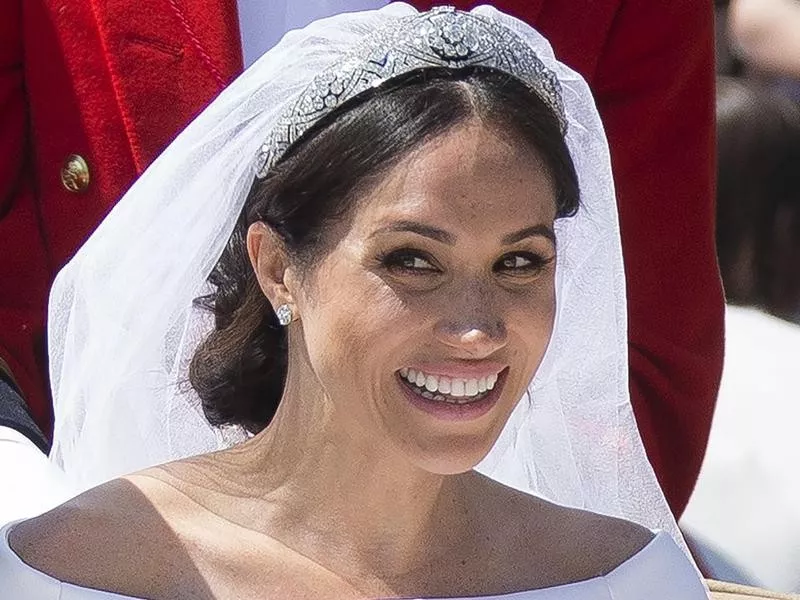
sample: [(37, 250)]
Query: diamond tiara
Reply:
[(442, 37)]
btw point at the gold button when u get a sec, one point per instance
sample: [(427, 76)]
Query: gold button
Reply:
[(75, 174)]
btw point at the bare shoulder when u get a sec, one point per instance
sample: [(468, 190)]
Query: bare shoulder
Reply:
[(571, 544), (607, 542), (116, 537)]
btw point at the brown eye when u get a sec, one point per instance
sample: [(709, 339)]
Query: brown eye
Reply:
[(516, 262), (521, 263), (409, 260), (415, 262)]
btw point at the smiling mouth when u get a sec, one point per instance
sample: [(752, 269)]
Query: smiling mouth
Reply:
[(448, 390)]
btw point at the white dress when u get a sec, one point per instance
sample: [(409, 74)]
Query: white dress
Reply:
[(660, 571)]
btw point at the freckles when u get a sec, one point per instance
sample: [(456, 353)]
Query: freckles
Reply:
[(535, 318)]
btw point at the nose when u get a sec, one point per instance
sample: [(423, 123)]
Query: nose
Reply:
[(472, 338)]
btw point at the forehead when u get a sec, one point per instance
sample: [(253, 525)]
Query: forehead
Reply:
[(472, 176)]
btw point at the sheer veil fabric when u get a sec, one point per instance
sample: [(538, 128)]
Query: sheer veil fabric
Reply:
[(122, 326)]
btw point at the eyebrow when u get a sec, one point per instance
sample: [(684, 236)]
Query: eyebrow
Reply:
[(445, 237), (536, 230)]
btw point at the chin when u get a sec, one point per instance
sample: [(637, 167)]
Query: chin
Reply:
[(451, 457), (446, 468)]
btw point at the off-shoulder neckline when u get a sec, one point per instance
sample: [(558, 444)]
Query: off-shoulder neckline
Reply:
[(660, 538)]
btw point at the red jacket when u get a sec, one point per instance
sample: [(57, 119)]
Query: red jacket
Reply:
[(114, 81)]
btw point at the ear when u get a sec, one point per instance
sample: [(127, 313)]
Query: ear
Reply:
[(270, 262)]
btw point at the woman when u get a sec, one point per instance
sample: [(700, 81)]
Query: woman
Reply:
[(387, 296)]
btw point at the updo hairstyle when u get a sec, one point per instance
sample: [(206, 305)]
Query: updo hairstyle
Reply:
[(240, 369)]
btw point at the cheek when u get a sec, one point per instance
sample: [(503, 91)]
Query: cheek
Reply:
[(349, 319), (531, 322)]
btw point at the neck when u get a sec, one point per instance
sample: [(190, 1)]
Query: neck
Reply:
[(352, 500)]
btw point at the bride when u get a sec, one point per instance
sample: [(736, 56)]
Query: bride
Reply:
[(386, 255)]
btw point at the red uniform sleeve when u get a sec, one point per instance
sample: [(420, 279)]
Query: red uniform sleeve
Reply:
[(24, 272), (652, 74), (655, 91), (112, 82)]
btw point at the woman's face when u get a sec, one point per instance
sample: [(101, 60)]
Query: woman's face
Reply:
[(429, 316)]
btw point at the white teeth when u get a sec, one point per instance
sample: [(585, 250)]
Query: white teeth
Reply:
[(431, 383), (491, 380), (454, 388), (471, 387), (420, 380)]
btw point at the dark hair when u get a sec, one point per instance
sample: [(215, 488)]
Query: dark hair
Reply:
[(240, 369), (758, 196)]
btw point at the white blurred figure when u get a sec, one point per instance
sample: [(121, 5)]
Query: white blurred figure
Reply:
[(746, 506), (29, 483), (25, 465), (263, 22)]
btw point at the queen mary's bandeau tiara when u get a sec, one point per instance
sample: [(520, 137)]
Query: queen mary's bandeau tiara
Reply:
[(442, 37)]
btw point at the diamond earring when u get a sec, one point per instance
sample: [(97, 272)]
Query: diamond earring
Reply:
[(284, 314)]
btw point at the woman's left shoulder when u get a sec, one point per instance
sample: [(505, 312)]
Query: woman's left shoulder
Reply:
[(632, 561), (578, 544), (593, 545), (610, 539)]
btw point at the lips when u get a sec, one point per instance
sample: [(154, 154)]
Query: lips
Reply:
[(454, 391)]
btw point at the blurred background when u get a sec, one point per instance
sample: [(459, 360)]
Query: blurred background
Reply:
[(743, 521)]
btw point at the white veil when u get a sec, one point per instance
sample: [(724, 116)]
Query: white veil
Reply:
[(122, 325)]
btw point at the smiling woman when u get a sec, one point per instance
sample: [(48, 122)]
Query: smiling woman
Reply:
[(400, 289), (452, 304), (390, 186)]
